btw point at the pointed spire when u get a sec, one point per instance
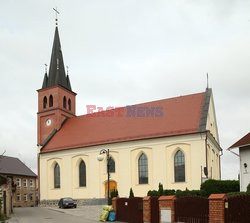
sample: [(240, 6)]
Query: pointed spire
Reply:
[(45, 81), (57, 74), (68, 82)]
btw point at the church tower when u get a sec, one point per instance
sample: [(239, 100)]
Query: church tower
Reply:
[(56, 100)]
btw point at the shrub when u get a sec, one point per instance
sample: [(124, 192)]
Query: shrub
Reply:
[(168, 192), (236, 194), (131, 193), (192, 193), (160, 189), (153, 193), (207, 188), (248, 188), (220, 186), (114, 193)]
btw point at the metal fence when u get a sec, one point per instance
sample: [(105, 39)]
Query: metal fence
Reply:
[(238, 209), (155, 214), (192, 209), (130, 210)]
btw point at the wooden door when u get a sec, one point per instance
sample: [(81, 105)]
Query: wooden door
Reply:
[(112, 186)]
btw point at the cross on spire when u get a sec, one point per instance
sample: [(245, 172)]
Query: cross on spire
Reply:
[(57, 13)]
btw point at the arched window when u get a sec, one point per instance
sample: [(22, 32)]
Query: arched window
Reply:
[(69, 104), (111, 165), (64, 102), (143, 169), (57, 176), (45, 102), (82, 174), (50, 101), (179, 166)]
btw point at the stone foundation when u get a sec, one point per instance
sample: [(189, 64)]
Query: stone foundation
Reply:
[(80, 202)]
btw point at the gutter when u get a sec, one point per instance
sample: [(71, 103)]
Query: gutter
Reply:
[(206, 156)]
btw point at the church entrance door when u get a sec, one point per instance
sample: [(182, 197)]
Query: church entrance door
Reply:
[(112, 186)]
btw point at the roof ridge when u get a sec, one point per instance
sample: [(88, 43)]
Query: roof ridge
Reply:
[(10, 157), (125, 106)]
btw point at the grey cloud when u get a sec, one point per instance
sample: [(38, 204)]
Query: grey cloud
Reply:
[(126, 52)]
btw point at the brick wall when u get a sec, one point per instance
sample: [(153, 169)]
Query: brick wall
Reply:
[(25, 194), (168, 202), (217, 208), (146, 210)]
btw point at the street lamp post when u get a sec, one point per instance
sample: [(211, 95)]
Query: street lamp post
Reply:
[(100, 158)]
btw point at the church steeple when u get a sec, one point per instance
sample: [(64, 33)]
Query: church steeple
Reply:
[(57, 74), (56, 100)]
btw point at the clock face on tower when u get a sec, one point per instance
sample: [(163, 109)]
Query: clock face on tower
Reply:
[(48, 122)]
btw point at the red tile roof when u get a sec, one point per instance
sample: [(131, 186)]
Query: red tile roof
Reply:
[(244, 141), (181, 115)]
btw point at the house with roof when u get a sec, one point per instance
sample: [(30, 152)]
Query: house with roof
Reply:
[(24, 181), (244, 153), (172, 141)]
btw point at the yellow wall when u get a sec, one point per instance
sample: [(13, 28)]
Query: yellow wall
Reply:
[(160, 153), (211, 120)]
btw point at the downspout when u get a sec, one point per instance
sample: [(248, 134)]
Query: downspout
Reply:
[(220, 161), (206, 154)]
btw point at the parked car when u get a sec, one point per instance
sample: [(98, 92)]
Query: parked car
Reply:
[(67, 202)]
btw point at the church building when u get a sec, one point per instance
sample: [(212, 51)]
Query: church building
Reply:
[(172, 141)]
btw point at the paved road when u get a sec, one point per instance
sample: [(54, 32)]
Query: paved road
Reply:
[(86, 214)]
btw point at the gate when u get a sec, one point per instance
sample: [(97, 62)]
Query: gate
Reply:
[(130, 210), (155, 215), (192, 209), (238, 209)]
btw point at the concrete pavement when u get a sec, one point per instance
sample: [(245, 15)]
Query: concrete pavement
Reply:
[(86, 214)]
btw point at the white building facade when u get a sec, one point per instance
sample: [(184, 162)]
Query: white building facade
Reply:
[(244, 153)]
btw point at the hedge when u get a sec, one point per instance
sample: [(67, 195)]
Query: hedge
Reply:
[(207, 188), (236, 194), (178, 193), (220, 186)]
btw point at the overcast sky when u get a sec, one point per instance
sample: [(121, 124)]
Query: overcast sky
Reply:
[(122, 52)]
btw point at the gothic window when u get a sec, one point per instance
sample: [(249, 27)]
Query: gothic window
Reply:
[(111, 165), (143, 169), (82, 174), (45, 102), (57, 176), (64, 102), (50, 101), (179, 166), (69, 104)]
